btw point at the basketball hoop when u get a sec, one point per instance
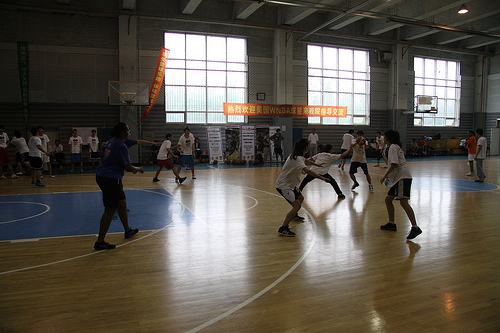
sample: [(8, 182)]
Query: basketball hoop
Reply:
[(129, 104)]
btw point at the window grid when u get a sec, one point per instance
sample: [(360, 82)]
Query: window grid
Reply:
[(339, 77), (201, 74), (439, 78)]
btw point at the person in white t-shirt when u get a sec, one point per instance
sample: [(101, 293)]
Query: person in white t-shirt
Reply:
[(164, 153), (35, 153), (399, 178), (45, 145), (75, 146), (326, 158), (4, 154), (313, 143), (346, 144), (186, 147), (380, 146), (93, 142), (482, 147), (358, 160), (22, 153), (289, 179)]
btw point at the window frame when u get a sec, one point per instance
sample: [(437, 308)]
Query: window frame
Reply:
[(194, 94), (333, 81)]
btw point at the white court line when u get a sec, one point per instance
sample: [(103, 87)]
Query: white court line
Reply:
[(83, 255), (269, 287), (28, 217)]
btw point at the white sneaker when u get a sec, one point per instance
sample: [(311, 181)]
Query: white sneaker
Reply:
[(14, 176), (194, 177), (2, 177), (468, 174), (52, 176)]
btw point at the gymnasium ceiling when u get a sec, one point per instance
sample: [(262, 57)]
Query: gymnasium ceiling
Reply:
[(430, 24)]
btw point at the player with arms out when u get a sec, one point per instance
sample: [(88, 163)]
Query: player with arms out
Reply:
[(164, 161), (289, 179), (326, 158)]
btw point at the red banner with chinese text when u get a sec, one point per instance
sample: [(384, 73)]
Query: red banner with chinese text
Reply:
[(283, 110), (156, 86)]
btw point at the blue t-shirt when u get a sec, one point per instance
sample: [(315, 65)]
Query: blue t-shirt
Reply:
[(116, 156)]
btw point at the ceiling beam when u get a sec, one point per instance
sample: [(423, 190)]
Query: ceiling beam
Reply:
[(244, 10), (190, 6)]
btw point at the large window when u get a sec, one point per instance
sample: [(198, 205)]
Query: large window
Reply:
[(439, 78), (202, 73), (339, 77)]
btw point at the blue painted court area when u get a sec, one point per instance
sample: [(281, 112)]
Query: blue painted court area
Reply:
[(76, 214), (450, 185)]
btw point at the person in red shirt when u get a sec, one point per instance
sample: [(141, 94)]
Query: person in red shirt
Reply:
[(471, 146)]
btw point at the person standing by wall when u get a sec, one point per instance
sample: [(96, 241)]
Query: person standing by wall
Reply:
[(75, 145), (277, 138), (313, 143), (35, 153), (482, 147), (4, 154), (380, 146), (471, 146), (22, 153), (93, 142)]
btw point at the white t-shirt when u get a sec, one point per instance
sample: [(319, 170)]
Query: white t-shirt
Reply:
[(380, 142), (58, 149), (45, 141), (20, 144), (186, 144), (397, 156), (346, 141), (313, 138), (484, 146), (326, 159), (358, 152), (93, 142), (289, 177), (163, 151), (75, 144), (4, 138), (33, 144)]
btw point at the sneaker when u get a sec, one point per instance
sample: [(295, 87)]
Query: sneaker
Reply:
[(377, 165), (14, 176), (131, 233), (389, 226), (414, 232), (72, 171), (52, 176), (81, 170), (285, 231), (356, 184), (41, 177), (155, 180), (19, 173), (468, 174), (39, 184), (176, 180), (341, 196), (2, 177), (370, 187), (386, 167), (342, 167), (339, 166), (479, 181), (103, 246), (194, 177), (33, 182), (181, 180), (298, 218)]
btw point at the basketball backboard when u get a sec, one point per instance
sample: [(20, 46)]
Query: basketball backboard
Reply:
[(426, 104), (128, 93)]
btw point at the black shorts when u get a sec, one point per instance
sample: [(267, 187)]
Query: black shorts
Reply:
[(94, 155), (278, 151), (400, 190), (342, 150), (355, 165), (22, 158), (36, 163), (112, 191), (290, 195)]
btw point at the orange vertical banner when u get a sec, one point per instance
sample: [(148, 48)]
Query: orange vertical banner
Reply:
[(157, 82)]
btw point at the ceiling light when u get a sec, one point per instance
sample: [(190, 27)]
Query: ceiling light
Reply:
[(463, 9)]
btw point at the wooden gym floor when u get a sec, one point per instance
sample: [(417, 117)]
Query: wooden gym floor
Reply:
[(208, 257)]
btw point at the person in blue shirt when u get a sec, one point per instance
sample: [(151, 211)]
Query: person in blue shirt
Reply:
[(109, 177)]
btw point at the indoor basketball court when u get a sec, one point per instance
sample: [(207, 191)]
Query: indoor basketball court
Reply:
[(208, 257)]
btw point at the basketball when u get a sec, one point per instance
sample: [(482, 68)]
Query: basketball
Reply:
[(215, 162)]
